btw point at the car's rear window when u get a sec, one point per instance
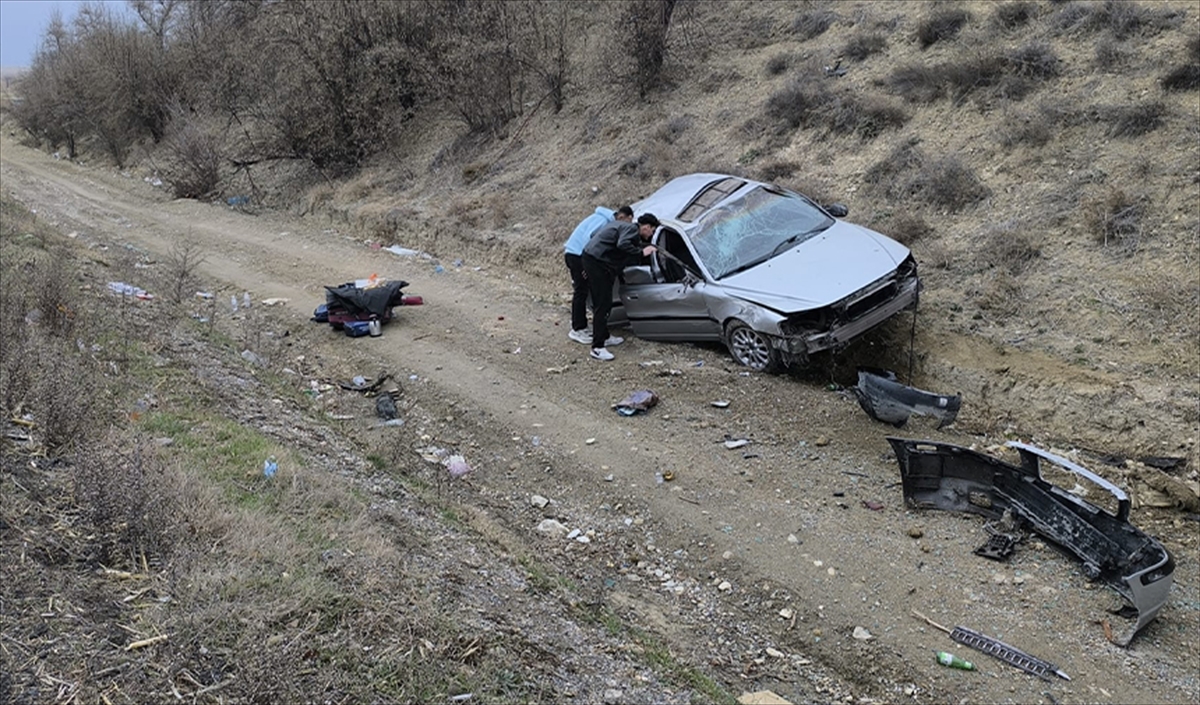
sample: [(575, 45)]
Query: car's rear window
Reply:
[(753, 229)]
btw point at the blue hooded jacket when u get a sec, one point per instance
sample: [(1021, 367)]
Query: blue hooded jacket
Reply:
[(584, 231)]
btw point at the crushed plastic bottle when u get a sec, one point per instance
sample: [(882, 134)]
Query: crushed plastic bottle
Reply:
[(270, 466), (233, 304), (952, 661), (246, 300)]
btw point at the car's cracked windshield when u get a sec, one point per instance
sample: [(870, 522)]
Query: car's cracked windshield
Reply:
[(738, 235)]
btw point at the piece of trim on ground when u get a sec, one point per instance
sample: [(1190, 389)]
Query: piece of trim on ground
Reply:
[(884, 399)]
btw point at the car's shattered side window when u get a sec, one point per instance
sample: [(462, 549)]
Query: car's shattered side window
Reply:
[(749, 230)]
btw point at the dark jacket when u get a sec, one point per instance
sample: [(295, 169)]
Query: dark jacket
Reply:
[(617, 245)]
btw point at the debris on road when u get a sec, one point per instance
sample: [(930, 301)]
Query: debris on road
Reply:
[(994, 647), (884, 399), (635, 402), (1114, 551)]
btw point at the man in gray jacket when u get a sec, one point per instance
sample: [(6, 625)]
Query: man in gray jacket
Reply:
[(611, 249)]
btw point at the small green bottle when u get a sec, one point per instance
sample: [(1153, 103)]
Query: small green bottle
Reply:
[(953, 661)]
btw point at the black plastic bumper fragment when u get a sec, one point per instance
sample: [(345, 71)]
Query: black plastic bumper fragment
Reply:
[(884, 399), (949, 477)]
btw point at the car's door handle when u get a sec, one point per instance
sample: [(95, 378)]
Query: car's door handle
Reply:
[(632, 296)]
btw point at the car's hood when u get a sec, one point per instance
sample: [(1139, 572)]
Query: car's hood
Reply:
[(819, 271)]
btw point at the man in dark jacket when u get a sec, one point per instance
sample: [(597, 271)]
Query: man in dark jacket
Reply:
[(611, 249)]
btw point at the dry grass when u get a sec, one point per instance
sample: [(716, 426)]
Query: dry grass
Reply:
[(1115, 218), (941, 25)]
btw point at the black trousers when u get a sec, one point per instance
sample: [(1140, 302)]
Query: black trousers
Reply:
[(579, 292), (600, 279)]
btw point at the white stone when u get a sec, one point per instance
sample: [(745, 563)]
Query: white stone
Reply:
[(725, 586), (862, 634), (552, 527), (538, 501)]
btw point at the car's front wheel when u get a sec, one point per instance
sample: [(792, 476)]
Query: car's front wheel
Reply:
[(751, 348)]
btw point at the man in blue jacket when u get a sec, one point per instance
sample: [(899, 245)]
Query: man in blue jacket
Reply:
[(573, 249), (610, 250)]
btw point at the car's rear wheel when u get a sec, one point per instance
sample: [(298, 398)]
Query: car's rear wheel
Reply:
[(751, 348)]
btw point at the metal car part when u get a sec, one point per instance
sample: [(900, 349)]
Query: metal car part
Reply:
[(949, 477), (884, 399)]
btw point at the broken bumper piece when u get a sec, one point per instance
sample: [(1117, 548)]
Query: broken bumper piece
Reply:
[(884, 399), (949, 477)]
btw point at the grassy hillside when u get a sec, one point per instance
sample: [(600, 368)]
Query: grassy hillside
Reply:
[(1040, 158)]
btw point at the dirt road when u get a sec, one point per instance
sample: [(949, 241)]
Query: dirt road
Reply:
[(771, 544)]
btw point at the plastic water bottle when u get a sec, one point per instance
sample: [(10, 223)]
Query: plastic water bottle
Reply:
[(233, 303), (947, 659), (246, 300), (270, 466)]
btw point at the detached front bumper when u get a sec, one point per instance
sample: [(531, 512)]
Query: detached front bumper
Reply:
[(1112, 550)]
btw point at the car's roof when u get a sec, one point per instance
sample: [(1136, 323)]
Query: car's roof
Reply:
[(669, 201)]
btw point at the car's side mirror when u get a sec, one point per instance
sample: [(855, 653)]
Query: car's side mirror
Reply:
[(837, 210)]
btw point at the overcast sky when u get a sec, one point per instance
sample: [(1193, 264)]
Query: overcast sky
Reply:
[(23, 24)]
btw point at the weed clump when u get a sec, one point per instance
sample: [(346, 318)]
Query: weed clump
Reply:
[(864, 44), (1115, 218), (1133, 120), (1012, 15), (778, 63), (813, 23), (1010, 246), (942, 25), (1185, 77)]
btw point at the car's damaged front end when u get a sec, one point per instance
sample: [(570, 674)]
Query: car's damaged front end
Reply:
[(944, 476)]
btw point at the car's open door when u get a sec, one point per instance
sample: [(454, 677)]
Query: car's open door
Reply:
[(663, 299)]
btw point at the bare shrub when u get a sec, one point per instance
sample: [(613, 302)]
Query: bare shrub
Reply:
[(194, 153), (948, 183), (907, 227), (671, 130), (964, 77), (864, 44), (916, 83), (1185, 77), (1182, 78), (1121, 18), (778, 63), (891, 175), (1001, 295), (1133, 120), (125, 491), (1033, 129), (1109, 55), (1010, 246), (942, 25), (774, 171), (180, 275), (1011, 15), (863, 115), (1035, 60), (797, 104), (1115, 218), (813, 23), (65, 394)]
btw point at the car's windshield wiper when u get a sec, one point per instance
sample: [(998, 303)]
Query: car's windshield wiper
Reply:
[(792, 240)]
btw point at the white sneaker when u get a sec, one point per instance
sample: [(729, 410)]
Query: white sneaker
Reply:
[(583, 336), (601, 354), (613, 340)]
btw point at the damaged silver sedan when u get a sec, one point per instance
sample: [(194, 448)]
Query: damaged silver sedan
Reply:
[(764, 270), (1114, 551)]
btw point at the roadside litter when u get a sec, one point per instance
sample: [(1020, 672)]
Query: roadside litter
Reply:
[(1112, 550), (123, 289), (992, 647), (636, 402), (884, 399), (360, 308)]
